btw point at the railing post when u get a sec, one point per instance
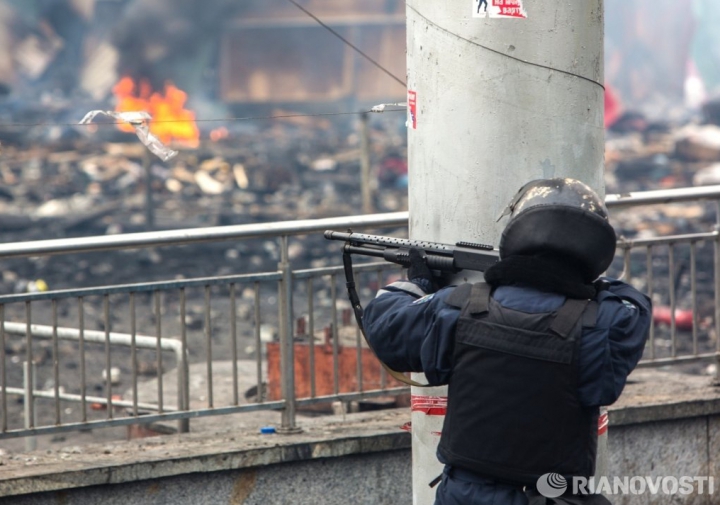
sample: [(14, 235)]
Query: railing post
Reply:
[(183, 390), (367, 206), (716, 245), (29, 379), (287, 350), (183, 368)]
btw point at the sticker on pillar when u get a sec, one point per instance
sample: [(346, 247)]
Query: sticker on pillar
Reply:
[(429, 405), (603, 423), (412, 109), (498, 9)]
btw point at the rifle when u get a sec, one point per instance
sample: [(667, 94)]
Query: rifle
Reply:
[(443, 257)]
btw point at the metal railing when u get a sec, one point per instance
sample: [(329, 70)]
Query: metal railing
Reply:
[(82, 336), (188, 323), (659, 266), (174, 295)]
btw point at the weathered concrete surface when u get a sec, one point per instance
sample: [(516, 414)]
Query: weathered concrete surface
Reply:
[(666, 424), (662, 449), (177, 455), (657, 395), (378, 479)]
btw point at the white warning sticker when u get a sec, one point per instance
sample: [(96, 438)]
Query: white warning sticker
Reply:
[(498, 9)]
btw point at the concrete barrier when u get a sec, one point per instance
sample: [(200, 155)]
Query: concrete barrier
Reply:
[(666, 425)]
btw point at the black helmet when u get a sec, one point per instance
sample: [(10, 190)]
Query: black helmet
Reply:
[(563, 218)]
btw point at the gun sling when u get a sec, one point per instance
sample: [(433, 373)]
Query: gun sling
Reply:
[(358, 310)]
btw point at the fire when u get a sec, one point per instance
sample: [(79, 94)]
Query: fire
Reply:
[(171, 123)]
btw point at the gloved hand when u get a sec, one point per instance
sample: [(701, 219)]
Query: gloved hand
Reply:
[(419, 273)]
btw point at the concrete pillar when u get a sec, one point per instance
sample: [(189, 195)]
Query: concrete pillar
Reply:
[(494, 103)]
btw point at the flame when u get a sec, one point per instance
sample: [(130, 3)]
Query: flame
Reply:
[(172, 123)]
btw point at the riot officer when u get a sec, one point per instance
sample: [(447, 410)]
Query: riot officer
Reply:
[(529, 355)]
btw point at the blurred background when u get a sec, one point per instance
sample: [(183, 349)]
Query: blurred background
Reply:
[(661, 55), (264, 105)]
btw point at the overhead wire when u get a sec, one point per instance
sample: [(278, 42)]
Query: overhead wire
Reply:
[(214, 120), (501, 53), (346, 41), (249, 118)]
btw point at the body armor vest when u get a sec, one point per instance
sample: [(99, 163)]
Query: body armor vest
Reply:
[(513, 407)]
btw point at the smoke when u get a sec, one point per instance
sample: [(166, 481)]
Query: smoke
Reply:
[(648, 49), (157, 38)]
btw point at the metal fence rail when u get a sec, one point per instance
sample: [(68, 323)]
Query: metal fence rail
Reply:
[(675, 350), (316, 293), (656, 265), (123, 299)]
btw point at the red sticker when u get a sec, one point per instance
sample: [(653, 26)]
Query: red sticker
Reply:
[(499, 9), (412, 107), (430, 405), (603, 423)]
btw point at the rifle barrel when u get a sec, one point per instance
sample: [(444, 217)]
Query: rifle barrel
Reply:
[(398, 243), (447, 258)]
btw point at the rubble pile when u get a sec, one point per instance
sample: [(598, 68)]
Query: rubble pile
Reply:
[(304, 169), (644, 156)]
